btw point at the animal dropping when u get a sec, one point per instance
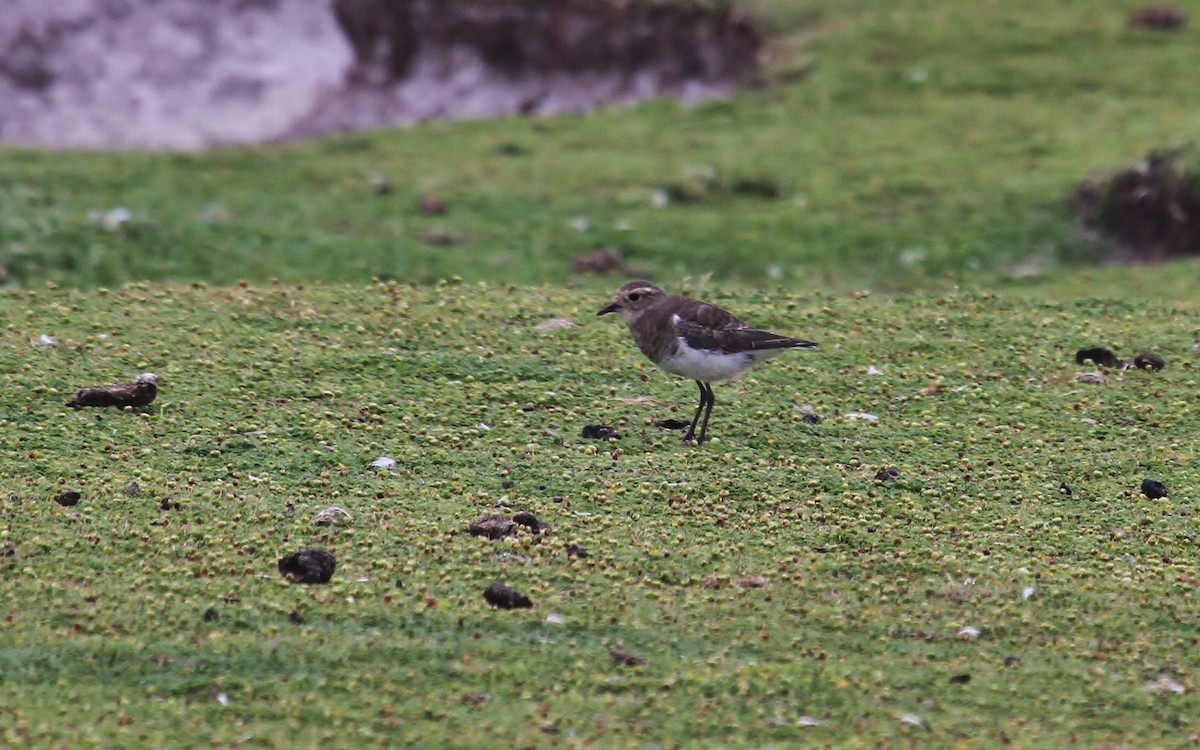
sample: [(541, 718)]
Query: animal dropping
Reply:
[(308, 566), (502, 596), (1099, 355), (1148, 361), (1153, 489), (138, 393)]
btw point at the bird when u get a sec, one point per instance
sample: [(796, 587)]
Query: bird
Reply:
[(696, 339)]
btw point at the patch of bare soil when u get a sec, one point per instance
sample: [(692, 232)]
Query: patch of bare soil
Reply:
[(1150, 211), (190, 74)]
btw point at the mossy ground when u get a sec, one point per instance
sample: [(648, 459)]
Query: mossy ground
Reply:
[(899, 145), (767, 578)]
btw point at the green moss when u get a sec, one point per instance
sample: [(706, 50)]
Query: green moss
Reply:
[(907, 144), (765, 577)]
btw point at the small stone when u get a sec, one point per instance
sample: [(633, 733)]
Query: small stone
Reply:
[(329, 516), (887, 474), (1091, 378), (296, 618), (211, 615)]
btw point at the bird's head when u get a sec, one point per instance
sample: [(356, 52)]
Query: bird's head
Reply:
[(633, 298)]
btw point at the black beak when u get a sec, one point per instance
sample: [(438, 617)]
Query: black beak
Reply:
[(610, 307)]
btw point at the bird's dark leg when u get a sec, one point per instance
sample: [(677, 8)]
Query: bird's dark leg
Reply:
[(706, 397), (691, 433)]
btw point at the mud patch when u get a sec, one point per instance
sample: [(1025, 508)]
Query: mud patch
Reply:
[(1149, 212)]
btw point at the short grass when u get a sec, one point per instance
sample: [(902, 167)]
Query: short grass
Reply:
[(894, 145), (779, 593)]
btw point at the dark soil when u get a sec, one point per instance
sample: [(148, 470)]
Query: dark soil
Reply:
[(1151, 211)]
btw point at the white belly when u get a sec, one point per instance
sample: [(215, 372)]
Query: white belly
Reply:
[(710, 366)]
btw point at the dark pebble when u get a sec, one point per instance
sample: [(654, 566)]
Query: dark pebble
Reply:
[(1148, 361), (67, 498), (308, 566), (296, 618), (1153, 490), (1097, 354), (504, 597), (960, 679), (211, 615), (599, 432), (810, 419)]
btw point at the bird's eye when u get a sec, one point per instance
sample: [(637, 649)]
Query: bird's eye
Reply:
[(635, 296)]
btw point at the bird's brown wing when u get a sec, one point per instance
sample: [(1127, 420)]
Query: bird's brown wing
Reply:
[(706, 326)]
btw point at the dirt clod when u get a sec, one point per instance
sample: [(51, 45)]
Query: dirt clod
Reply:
[(673, 424), (211, 615), (600, 432), (67, 498), (296, 618), (503, 596), (1165, 17), (431, 206), (1151, 211), (625, 658), (138, 393), (527, 519), (887, 474), (1148, 361), (308, 566), (1153, 489), (1099, 355), (576, 551), (492, 527), (606, 260)]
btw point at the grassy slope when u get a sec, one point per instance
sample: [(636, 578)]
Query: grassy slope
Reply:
[(275, 399), (911, 143)]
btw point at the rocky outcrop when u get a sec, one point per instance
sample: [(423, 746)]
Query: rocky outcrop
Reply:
[(194, 73)]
